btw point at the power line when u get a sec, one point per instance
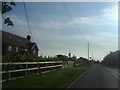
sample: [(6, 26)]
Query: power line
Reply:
[(29, 28), (70, 15)]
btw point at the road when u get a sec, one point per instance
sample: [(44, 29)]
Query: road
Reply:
[(98, 76)]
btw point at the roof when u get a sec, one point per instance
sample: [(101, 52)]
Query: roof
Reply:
[(15, 40), (31, 45)]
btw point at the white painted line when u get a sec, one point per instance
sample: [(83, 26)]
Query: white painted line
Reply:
[(115, 75), (76, 79)]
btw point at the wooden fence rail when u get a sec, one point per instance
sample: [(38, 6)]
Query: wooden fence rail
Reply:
[(30, 62), (46, 67)]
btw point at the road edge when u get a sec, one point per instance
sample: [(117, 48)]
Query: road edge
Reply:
[(77, 79)]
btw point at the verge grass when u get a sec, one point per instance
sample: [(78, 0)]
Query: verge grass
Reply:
[(60, 78)]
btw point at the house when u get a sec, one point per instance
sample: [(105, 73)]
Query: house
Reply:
[(13, 44)]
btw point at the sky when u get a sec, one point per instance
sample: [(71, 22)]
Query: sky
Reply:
[(63, 27)]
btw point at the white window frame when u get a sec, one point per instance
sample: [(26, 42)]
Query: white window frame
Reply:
[(26, 50), (17, 49), (9, 48)]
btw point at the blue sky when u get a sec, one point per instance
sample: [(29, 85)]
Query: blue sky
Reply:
[(60, 28)]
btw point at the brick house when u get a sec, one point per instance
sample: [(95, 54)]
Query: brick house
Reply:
[(13, 44)]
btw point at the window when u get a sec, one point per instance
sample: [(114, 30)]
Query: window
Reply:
[(16, 49), (9, 48), (34, 52), (26, 50)]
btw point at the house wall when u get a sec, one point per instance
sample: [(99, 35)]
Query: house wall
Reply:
[(3, 49), (36, 51), (6, 52)]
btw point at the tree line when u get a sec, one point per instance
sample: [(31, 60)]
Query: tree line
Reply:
[(112, 59)]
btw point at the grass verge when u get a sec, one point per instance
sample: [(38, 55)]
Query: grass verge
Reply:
[(60, 78)]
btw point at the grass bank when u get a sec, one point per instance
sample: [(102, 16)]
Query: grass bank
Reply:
[(60, 78)]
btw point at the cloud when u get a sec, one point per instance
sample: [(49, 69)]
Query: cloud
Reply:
[(107, 16), (53, 24), (111, 13)]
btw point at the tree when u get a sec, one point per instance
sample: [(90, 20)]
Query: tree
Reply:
[(62, 57), (74, 57), (112, 58), (69, 55), (7, 7)]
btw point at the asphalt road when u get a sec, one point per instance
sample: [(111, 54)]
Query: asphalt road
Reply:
[(98, 76)]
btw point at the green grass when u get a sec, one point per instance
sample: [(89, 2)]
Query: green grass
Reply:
[(60, 78)]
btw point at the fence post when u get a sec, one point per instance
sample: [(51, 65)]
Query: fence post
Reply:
[(74, 63), (46, 66), (9, 70), (38, 67), (52, 65), (26, 68)]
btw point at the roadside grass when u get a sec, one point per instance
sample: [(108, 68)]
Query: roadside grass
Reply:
[(60, 78)]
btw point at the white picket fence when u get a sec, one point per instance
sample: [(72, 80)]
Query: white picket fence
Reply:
[(26, 69)]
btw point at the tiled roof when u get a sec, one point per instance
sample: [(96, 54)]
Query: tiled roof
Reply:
[(15, 40)]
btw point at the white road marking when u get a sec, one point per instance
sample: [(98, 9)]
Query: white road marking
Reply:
[(114, 72), (76, 79), (115, 75)]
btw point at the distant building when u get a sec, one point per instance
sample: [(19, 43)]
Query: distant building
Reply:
[(13, 44)]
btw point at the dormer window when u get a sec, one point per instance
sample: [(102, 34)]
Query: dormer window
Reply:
[(9, 48), (16, 49)]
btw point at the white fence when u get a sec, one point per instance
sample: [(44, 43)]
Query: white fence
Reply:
[(37, 67)]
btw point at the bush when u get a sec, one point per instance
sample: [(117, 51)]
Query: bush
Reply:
[(24, 58), (5, 59)]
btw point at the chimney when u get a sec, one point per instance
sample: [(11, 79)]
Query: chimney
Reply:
[(28, 37)]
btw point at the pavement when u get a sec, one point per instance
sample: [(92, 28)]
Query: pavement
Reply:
[(98, 76)]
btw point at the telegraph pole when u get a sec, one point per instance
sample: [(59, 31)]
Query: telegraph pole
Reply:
[(88, 50)]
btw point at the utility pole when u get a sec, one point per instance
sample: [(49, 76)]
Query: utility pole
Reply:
[(88, 50)]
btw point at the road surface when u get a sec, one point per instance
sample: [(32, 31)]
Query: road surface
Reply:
[(98, 76)]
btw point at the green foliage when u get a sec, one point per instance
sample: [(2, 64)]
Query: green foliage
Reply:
[(43, 59), (31, 59), (18, 58), (40, 59), (24, 58), (112, 59), (5, 59), (60, 78), (7, 7), (79, 63), (8, 21)]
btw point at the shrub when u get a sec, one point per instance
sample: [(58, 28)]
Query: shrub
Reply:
[(5, 59)]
